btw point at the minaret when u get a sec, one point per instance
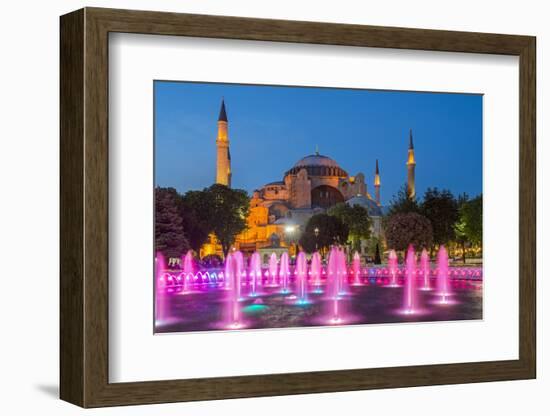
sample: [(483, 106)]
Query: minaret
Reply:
[(223, 157), (411, 191), (377, 184)]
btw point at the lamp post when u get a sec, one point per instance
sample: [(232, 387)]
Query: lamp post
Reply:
[(289, 231)]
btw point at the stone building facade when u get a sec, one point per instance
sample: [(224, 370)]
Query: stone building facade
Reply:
[(313, 184)]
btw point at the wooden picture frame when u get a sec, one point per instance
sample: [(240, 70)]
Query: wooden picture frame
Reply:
[(84, 207)]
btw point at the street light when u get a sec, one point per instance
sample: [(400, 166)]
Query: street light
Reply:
[(289, 229)]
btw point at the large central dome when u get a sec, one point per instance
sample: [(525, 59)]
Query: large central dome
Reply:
[(316, 160), (318, 165)]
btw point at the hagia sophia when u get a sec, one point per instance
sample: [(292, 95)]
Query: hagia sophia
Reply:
[(279, 210)]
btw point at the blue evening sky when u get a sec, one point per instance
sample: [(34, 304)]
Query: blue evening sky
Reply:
[(272, 127)]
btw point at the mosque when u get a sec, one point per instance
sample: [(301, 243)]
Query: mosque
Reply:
[(279, 210)]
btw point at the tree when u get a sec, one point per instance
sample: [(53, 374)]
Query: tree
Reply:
[(196, 211), (401, 203), (330, 230), (408, 228), (471, 213), (228, 213), (460, 226), (372, 244), (170, 239), (377, 258), (441, 208), (356, 219)]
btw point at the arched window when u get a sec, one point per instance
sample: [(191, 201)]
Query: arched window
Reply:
[(325, 196)]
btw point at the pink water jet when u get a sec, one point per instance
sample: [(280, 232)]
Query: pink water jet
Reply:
[(228, 271), (392, 267), (333, 281), (301, 276), (410, 296), (425, 267), (444, 287), (284, 272), (255, 273), (273, 269), (342, 272), (188, 270), (240, 271), (356, 265), (316, 271), (161, 307), (233, 270)]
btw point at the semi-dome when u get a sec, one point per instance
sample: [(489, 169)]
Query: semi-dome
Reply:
[(366, 202), (318, 165)]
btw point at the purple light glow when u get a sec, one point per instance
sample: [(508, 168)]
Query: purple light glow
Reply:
[(316, 271), (284, 272), (356, 265), (425, 268), (255, 273), (410, 297), (233, 272), (392, 267), (301, 272), (444, 288), (300, 285), (273, 269)]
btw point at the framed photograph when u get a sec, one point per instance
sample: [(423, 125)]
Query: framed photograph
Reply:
[(260, 207)]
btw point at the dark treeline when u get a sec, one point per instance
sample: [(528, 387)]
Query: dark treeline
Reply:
[(184, 222), (437, 218)]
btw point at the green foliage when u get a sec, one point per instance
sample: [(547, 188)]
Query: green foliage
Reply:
[(401, 203), (170, 239), (228, 213), (331, 231), (216, 209), (441, 208), (403, 229), (356, 219), (372, 243), (451, 219), (377, 258), (459, 226), (471, 215), (196, 211)]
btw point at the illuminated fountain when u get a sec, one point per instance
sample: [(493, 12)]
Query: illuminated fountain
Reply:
[(333, 281), (316, 272), (227, 272), (246, 304), (425, 267), (255, 273), (233, 270), (444, 287), (342, 272), (284, 272), (161, 309), (392, 267), (356, 265), (410, 296), (273, 269), (188, 270), (239, 271), (301, 277)]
